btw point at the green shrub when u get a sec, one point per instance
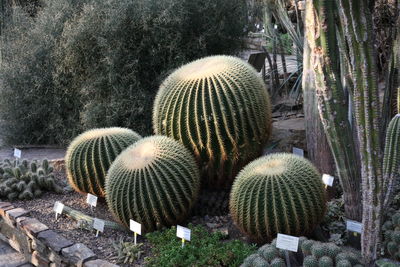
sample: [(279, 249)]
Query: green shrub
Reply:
[(90, 64), (204, 249)]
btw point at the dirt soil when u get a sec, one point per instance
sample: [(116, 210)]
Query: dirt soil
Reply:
[(42, 209)]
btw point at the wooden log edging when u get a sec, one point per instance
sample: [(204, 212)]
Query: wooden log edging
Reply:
[(40, 245)]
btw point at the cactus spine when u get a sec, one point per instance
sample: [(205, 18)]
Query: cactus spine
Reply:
[(278, 193), (220, 109), (155, 182), (90, 155)]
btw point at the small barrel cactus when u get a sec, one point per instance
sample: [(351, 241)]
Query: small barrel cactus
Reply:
[(310, 261), (219, 108), (155, 182), (90, 155), (278, 193)]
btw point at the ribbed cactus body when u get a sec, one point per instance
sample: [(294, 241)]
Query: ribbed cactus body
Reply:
[(391, 158), (90, 155), (220, 109), (155, 182), (278, 193)]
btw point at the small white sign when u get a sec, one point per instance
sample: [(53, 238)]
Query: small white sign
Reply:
[(91, 200), (58, 207), (298, 151), (287, 242), (354, 226), (98, 225), (183, 232), (135, 227), (17, 153), (328, 179)]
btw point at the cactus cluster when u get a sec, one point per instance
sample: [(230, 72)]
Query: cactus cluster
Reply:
[(90, 155), (155, 182), (318, 254), (26, 180), (219, 108), (313, 253), (267, 255), (391, 233), (278, 193)]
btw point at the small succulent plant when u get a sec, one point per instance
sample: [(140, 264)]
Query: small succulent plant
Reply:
[(26, 180), (127, 252)]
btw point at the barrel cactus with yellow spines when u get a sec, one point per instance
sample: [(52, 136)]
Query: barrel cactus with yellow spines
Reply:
[(278, 193), (154, 182), (90, 155), (219, 108)]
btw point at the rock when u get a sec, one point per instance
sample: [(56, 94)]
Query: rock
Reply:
[(33, 227), (287, 134), (224, 231), (13, 214), (99, 263), (53, 240), (77, 254), (38, 260), (213, 225)]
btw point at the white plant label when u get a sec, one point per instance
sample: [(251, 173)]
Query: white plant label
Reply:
[(98, 225), (135, 227), (58, 208), (287, 242), (91, 200), (354, 226), (298, 151), (183, 232), (328, 179), (17, 153)]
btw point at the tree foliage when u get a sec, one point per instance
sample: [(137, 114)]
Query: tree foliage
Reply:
[(85, 64)]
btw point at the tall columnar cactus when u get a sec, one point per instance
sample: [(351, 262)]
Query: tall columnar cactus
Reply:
[(278, 193), (391, 158), (220, 109), (155, 182), (90, 155)]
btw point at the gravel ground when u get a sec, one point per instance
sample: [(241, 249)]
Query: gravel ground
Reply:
[(42, 209)]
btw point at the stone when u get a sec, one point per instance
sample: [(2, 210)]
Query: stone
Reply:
[(4, 204), (38, 260), (10, 256), (99, 263), (4, 209), (77, 254), (53, 240), (224, 231), (33, 227), (13, 214)]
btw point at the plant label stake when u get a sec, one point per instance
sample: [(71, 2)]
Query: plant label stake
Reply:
[(327, 179), (91, 200), (98, 225), (287, 242), (298, 151), (17, 155), (354, 227), (183, 233), (58, 208), (136, 228)]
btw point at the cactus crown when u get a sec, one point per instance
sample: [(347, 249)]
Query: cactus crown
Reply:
[(90, 155), (219, 108), (278, 193), (155, 182)]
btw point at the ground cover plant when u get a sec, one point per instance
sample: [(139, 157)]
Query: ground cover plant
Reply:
[(205, 249)]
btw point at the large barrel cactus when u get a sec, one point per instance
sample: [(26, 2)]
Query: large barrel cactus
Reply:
[(90, 155), (219, 108), (155, 182), (278, 193)]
